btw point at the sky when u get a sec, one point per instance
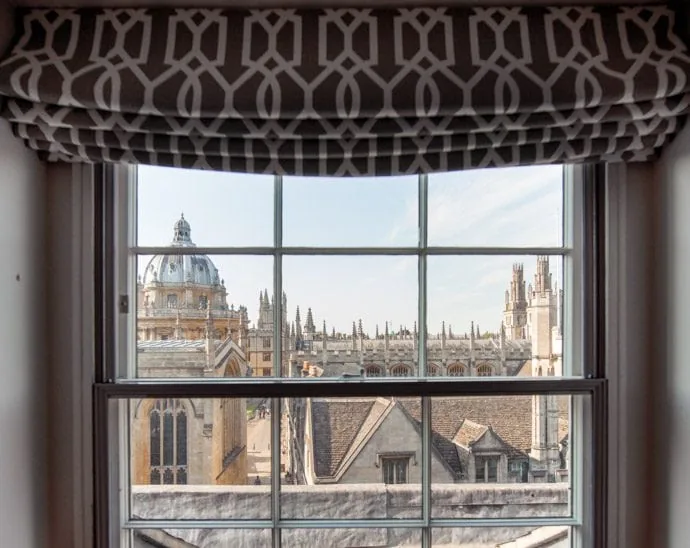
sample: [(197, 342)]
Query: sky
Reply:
[(492, 207)]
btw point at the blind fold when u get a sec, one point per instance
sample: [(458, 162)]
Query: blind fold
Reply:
[(347, 91)]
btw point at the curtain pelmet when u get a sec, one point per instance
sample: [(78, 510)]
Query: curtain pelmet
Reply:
[(347, 91)]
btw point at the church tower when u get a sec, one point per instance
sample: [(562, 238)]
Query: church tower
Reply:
[(542, 319), (515, 313)]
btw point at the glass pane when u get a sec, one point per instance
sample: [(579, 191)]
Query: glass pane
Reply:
[(220, 209), (350, 458), (517, 206), (496, 316), (551, 536), (503, 456), (350, 212), (351, 316), (204, 316), (201, 538), (351, 538), (222, 457)]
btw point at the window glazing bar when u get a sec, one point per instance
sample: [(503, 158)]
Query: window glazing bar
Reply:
[(277, 355), (162, 250), (348, 524)]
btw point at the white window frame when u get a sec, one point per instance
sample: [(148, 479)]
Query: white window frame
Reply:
[(116, 386)]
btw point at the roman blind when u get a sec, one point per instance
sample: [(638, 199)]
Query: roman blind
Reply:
[(346, 91)]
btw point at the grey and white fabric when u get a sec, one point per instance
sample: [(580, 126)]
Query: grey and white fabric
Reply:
[(347, 91)]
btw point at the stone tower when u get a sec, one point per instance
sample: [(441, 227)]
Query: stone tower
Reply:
[(542, 313), (515, 313)]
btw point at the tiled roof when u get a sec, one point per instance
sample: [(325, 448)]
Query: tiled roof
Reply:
[(342, 425), (336, 423), (469, 432)]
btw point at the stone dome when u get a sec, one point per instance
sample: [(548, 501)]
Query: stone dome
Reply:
[(181, 269)]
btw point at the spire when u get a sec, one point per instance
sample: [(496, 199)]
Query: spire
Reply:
[(333, 333), (309, 324), (377, 331), (266, 300), (324, 346), (354, 336), (478, 332), (450, 332), (360, 332)]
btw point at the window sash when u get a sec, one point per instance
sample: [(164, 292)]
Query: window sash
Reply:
[(119, 385)]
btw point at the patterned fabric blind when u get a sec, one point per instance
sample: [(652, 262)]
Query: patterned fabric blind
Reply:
[(347, 91)]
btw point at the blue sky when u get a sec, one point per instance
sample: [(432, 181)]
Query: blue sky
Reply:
[(494, 207)]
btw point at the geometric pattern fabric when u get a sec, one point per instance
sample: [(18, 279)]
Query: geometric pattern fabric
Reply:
[(347, 91)]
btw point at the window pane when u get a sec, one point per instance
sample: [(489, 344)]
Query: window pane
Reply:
[(221, 323), (496, 316), (349, 538), (350, 212), (503, 456), (202, 538), (553, 536), (517, 206), (220, 209), (356, 315), (222, 455), (350, 458)]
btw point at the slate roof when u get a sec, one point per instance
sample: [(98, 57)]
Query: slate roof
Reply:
[(342, 426)]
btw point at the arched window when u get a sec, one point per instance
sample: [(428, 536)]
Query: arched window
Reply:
[(373, 371), (484, 370), (433, 370), (400, 371), (456, 370), (172, 300), (168, 442)]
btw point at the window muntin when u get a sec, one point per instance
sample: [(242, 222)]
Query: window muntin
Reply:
[(405, 330)]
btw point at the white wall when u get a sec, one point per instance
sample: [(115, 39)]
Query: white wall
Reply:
[(671, 526), (23, 365)]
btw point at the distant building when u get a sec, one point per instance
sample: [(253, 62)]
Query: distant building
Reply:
[(186, 329)]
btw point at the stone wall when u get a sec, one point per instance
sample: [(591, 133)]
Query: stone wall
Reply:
[(376, 501)]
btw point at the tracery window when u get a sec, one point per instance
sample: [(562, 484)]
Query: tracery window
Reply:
[(168, 442)]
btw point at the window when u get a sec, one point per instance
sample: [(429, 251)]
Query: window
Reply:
[(394, 470), (373, 371), (168, 443), (486, 469), (172, 300), (456, 370), (400, 371), (484, 370), (363, 361)]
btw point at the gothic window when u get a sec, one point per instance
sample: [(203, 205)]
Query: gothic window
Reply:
[(168, 442), (486, 469), (484, 370), (172, 300), (373, 371), (433, 370), (203, 302), (266, 341), (400, 371), (456, 370), (394, 470)]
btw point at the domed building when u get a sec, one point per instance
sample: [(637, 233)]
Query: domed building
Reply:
[(185, 328), (177, 292)]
